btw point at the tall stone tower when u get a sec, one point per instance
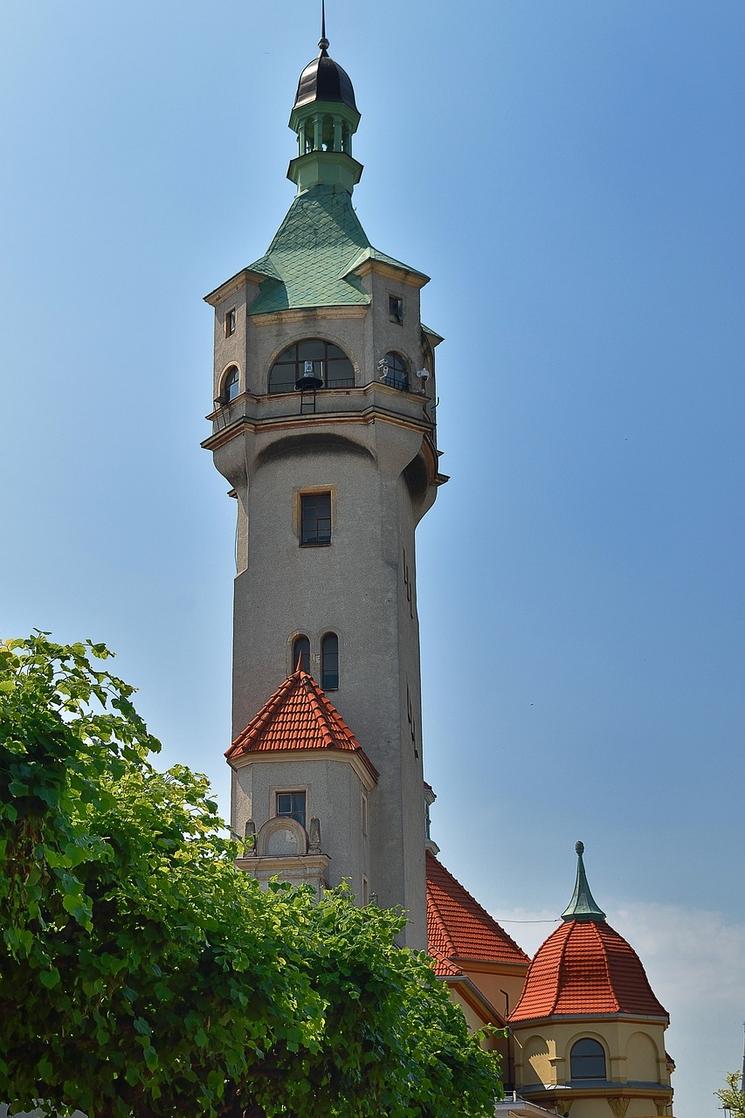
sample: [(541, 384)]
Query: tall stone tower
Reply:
[(324, 427)]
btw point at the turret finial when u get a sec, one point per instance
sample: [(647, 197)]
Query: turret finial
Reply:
[(583, 906), (323, 42)]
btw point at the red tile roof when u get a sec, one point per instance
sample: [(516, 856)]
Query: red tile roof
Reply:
[(585, 967), (298, 716), (458, 928)]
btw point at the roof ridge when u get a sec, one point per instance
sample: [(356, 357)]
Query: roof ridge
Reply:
[(478, 905), (560, 970), (263, 716), (440, 918), (606, 967)]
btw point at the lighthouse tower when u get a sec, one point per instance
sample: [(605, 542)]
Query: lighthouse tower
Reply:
[(324, 427)]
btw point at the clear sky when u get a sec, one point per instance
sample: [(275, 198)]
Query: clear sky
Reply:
[(572, 177)]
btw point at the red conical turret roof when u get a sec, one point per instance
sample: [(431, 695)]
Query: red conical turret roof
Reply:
[(298, 716), (585, 967)]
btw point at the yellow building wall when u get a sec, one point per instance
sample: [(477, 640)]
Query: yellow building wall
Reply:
[(634, 1051)]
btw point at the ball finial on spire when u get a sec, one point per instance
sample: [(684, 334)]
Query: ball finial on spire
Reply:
[(323, 42), (579, 847)]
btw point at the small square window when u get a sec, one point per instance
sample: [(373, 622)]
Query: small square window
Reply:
[(230, 322), (315, 519), (396, 309), (291, 805)]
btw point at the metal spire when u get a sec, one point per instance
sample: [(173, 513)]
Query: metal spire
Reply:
[(582, 906), (323, 41)]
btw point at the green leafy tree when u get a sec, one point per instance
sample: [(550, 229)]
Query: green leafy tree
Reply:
[(142, 975), (732, 1097)]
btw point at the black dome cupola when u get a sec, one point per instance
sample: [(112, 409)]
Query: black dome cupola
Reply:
[(323, 79)]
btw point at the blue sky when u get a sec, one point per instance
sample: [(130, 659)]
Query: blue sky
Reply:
[(571, 175)]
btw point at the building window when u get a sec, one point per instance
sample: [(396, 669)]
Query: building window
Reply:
[(230, 384), (313, 357), (364, 813), (395, 371), (330, 662), (291, 805), (230, 322), (315, 519), (301, 654), (396, 309), (587, 1059), (365, 891)]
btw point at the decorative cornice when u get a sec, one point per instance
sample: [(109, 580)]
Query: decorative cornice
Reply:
[(303, 314), (564, 1018), (366, 773), (370, 415)]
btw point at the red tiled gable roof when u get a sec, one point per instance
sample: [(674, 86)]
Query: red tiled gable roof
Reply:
[(585, 967), (459, 928), (298, 716)]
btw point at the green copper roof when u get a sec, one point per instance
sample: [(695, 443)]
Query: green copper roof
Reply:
[(582, 906), (371, 253), (307, 261)]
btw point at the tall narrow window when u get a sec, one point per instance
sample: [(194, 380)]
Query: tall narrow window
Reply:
[(587, 1059), (396, 309), (301, 653), (330, 662), (230, 322), (230, 384), (315, 519), (291, 805)]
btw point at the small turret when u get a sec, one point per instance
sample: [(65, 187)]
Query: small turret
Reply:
[(324, 117)]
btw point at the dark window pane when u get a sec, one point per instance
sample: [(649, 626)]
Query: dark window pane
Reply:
[(340, 374), (312, 350), (291, 805), (396, 372), (330, 662), (587, 1060), (301, 654), (315, 519), (231, 384)]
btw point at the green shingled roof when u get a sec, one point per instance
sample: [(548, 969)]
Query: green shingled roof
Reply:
[(306, 260), (309, 261)]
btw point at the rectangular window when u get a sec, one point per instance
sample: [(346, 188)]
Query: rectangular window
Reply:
[(315, 519), (365, 891), (364, 814), (396, 309), (291, 805), (230, 322)]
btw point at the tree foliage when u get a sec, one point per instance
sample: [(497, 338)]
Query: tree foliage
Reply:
[(732, 1097), (142, 975)]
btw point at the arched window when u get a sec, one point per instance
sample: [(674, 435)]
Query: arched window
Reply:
[(230, 384), (587, 1059), (330, 662), (301, 653), (311, 357), (396, 371)]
